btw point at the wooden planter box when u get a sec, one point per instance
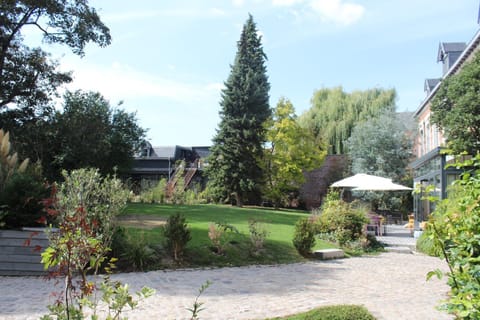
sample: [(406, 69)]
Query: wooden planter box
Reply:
[(19, 259)]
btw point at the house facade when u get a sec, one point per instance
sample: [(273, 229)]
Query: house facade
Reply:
[(430, 164), (155, 163)]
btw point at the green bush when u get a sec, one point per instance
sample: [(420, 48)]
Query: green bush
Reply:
[(22, 198), (85, 205), (427, 245), (118, 245), (304, 236), (177, 235), (138, 254), (258, 234), (21, 190), (455, 228), (159, 191), (344, 220), (340, 312), (100, 198), (151, 191), (220, 234), (132, 251)]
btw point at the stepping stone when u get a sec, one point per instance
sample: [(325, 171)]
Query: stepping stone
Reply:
[(399, 249), (326, 254)]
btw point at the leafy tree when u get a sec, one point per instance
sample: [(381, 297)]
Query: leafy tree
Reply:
[(334, 113), (89, 133), (28, 76), (292, 150), (32, 130), (381, 147), (456, 108), (235, 162)]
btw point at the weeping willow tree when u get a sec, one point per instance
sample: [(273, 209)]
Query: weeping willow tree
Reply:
[(334, 113)]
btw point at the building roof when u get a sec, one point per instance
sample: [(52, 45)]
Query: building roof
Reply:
[(202, 152), (446, 47), (431, 83), (174, 152), (472, 45), (164, 152)]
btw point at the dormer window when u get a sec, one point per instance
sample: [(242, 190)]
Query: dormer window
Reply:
[(448, 53), (146, 149), (430, 84)]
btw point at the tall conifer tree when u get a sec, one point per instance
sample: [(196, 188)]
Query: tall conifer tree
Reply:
[(235, 163)]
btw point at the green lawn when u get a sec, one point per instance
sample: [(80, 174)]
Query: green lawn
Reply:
[(338, 312), (279, 223)]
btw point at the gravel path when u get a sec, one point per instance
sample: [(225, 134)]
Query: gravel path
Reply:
[(390, 285)]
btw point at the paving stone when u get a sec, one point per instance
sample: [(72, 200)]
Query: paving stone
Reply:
[(390, 285), (326, 254)]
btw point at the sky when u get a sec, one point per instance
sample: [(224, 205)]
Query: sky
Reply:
[(169, 59)]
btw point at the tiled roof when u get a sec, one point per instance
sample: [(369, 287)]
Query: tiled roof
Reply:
[(470, 48)]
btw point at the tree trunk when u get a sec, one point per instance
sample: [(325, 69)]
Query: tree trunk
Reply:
[(239, 199)]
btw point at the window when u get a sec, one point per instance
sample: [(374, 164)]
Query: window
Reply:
[(435, 136), (427, 137), (421, 143)]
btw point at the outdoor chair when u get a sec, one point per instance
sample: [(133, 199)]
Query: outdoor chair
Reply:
[(375, 226)]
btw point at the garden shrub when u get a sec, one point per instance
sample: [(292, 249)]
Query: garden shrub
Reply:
[(220, 235), (150, 191), (206, 195), (159, 192), (455, 227), (9, 162), (345, 221), (85, 205), (21, 197), (258, 234), (118, 245), (304, 236), (137, 253), (21, 190), (177, 235), (133, 251), (101, 198), (192, 196), (427, 245)]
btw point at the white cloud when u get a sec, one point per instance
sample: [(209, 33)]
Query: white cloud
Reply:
[(119, 81), (338, 11)]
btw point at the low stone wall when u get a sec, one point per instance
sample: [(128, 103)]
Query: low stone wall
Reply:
[(17, 257)]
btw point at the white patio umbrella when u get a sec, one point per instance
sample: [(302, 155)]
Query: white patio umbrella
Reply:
[(359, 180), (364, 182), (382, 187)]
